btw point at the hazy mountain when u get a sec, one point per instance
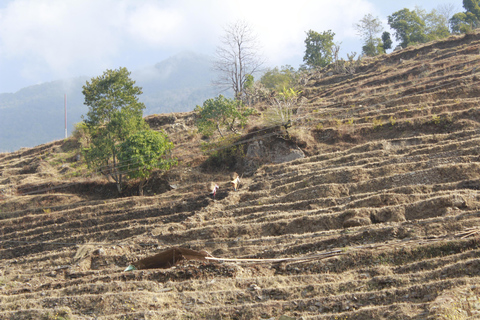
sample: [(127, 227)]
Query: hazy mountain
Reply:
[(176, 84), (35, 115)]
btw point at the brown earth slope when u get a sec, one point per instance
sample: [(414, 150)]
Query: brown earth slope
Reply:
[(382, 213)]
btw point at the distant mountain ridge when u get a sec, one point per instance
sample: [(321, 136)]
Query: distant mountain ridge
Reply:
[(35, 115)]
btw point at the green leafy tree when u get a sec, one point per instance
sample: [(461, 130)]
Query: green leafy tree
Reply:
[(418, 26), (409, 27), (109, 93), (248, 88), (114, 113), (142, 153), (436, 24), (221, 114), (472, 6), (373, 48), (463, 22), (249, 81), (387, 41), (318, 49), (368, 28), (277, 79), (80, 134)]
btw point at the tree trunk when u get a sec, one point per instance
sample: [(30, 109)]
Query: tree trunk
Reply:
[(117, 175), (219, 131), (119, 188), (140, 187)]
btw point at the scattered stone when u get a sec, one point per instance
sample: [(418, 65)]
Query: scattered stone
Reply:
[(254, 287), (100, 252)]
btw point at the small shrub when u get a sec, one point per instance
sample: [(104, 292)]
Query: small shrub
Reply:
[(63, 313), (436, 119), (449, 118), (393, 120), (221, 114), (377, 123), (283, 107), (80, 134)]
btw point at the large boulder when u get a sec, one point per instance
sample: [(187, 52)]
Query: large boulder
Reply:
[(274, 150)]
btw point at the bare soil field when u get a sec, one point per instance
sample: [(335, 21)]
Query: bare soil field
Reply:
[(379, 220)]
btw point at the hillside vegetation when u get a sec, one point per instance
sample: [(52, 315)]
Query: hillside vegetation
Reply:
[(380, 219)]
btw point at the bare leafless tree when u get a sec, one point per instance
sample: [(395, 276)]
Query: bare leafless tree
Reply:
[(447, 10), (338, 65), (236, 57)]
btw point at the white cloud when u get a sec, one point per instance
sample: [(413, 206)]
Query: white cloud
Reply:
[(64, 38), (149, 23), (58, 36), (281, 25)]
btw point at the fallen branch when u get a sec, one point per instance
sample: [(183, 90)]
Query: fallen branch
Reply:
[(172, 256), (276, 260)]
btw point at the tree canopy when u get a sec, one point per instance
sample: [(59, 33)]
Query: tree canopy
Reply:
[(110, 93), (144, 151), (221, 114), (419, 26), (387, 41), (318, 48), (114, 114), (465, 21), (436, 24), (409, 27), (277, 79), (368, 28)]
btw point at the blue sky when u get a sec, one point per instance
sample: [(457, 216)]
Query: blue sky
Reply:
[(47, 40)]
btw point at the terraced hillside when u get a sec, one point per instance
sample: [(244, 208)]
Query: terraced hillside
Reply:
[(380, 220)]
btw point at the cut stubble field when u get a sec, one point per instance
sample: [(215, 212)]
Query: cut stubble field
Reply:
[(379, 220)]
